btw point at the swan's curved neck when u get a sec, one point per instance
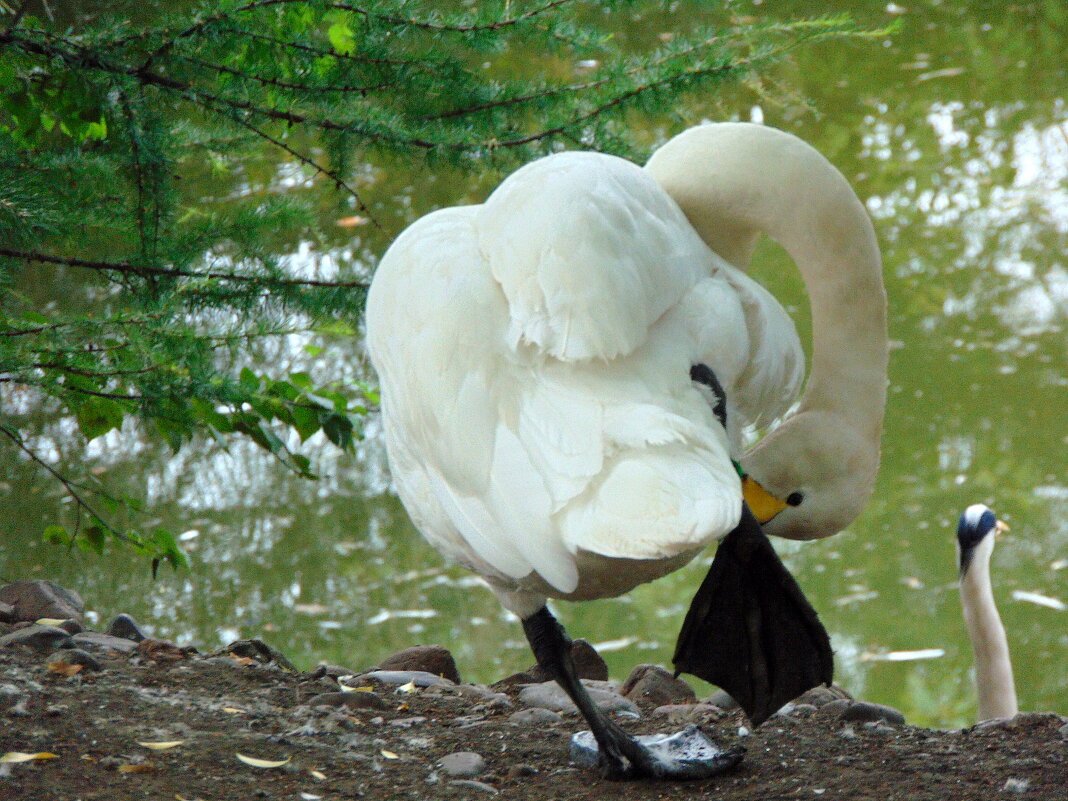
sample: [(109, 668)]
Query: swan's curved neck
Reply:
[(735, 181), (993, 667)]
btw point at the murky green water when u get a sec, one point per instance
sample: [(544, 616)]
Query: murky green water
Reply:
[(955, 133)]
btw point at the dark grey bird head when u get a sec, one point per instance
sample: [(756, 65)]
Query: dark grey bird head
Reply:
[(975, 534)]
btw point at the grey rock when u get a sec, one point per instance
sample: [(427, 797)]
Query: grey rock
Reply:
[(866, 712), (71, 626), (723, 700), (261, 652), (432, 659), (95, 640), (656, 685), (688, 713), (353, 700), (835, 707), (473, 785), (41, 638), (331, 671), (549, 695), (10, 695), (1016, 785), (818, 696), (407, 723), (588, 665), (419, 677), (462, 765), (7, 613), (534, 716), (76, 656), (33, 600), (126, 627), (847, 733)]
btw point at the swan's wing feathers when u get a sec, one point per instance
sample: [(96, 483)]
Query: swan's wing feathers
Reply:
[(589, 251)]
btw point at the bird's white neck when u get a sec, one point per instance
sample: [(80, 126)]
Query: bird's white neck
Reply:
[(736, 181), (993, 667)]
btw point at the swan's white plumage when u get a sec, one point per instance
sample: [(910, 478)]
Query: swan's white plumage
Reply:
[(534, 355)]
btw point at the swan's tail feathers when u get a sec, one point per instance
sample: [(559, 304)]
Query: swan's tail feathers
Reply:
[(750, 630)]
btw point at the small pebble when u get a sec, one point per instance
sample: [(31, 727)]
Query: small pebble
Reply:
[(1016, 785), (863, 712), (126, 627), (76, 656), (462, 764), (40, 638), (474, 785), (534, 716)]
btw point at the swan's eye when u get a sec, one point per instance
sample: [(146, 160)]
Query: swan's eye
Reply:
[(794, 499)]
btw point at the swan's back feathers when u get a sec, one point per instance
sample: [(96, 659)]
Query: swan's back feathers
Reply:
[(589, 251), (534, 357)]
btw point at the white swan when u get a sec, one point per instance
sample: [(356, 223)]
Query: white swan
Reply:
[(535, 357), (993, 667)]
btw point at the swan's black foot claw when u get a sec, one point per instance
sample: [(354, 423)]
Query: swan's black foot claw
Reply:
[(689, 754)]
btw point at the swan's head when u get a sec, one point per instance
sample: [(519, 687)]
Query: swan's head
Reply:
[(819, 470), (975, 535)]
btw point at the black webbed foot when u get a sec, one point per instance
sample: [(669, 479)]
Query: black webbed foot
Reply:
[(608, 747), (750, 629)]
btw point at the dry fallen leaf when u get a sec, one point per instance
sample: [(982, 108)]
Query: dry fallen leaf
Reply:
[(263, 763), (389, 754), (407, 688), (162, 746), (233, 710), (140, 767), (367, 688), (18, 756), (244, 661), (318, 774), (310, 797), (352, 222), (64, 668), (50, 621)]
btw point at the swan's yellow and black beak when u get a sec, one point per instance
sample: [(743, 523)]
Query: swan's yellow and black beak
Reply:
[(761, 503)]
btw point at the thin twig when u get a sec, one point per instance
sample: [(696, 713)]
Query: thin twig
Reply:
[(143, 270)]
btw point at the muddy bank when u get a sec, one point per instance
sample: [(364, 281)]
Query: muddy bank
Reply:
[(131, 718)]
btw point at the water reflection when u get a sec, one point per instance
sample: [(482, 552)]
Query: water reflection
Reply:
[(961, 155)]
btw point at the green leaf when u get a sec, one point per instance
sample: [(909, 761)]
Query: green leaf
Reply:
[(338, 429), (97, 416), (342, 38), (56, 535), (249, 380), (94, 536)]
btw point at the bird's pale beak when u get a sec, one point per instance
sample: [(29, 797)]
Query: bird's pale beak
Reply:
[(761, 503), (1001, 528)]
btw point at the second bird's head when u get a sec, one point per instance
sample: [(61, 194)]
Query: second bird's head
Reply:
[(976, 531)]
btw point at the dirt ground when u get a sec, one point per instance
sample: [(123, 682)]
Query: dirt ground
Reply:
[(387, 744)]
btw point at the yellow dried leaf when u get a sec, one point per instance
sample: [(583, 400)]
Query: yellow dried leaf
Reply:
[(403, 707), (19, 756), (244, 661), (140, 767), (50, 621), (263, 763), (162, 746), (233, 710), (407, 688), (367, 688), (317, 774), (64, 668), (389, 754)]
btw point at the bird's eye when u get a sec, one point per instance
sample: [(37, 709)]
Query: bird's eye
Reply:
[(794, 499)]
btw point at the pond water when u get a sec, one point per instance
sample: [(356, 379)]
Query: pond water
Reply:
[(955, 134)]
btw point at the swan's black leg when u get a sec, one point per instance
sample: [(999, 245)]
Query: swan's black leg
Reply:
[(621, 757)]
